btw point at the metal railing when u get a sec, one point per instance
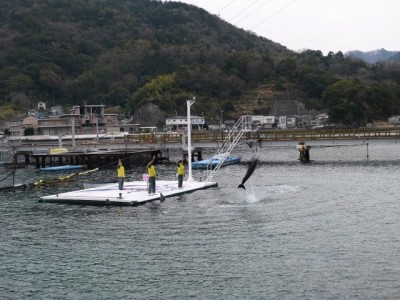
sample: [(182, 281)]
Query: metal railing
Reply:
[(231, 140)]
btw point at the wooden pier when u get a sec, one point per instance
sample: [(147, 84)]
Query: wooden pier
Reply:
[(94, 159), (330, 134), (272, 135), (139, 147)]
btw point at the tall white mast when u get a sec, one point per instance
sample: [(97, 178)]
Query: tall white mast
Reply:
[(189, 131)]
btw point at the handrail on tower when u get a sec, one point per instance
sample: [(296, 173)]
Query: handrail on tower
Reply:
[(241, 126)]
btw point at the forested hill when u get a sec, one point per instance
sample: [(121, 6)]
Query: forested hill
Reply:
[(127, 53)]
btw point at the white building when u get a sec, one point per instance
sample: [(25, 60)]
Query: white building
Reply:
[(41, 106), (292, 121), (269, 121), (282, 122), (56, 111), (257, 119), (14, 126), (394, 120), (181, 122)]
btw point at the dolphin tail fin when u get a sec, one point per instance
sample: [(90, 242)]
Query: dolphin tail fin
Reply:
[(162, 198), (241, 186)]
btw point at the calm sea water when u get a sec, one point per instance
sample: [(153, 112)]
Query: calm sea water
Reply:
[(328, 229)]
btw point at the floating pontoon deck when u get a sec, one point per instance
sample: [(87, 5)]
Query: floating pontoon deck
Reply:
[(134, 193)]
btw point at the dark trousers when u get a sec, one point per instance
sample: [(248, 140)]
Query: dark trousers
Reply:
[(180, 181), (152, 185), (121, 183)]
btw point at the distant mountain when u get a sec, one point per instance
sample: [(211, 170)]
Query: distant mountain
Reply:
[(376, 55)]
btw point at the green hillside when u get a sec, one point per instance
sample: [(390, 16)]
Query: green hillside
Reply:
[(128, 53)]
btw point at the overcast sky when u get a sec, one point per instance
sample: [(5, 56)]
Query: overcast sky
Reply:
[(326, 25)]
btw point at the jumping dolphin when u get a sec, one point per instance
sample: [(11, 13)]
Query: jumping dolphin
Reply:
[(250, 170)]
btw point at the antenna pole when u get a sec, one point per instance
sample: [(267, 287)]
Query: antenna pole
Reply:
[(189, 131)]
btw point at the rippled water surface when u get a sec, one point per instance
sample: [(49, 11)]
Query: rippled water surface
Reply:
[(324, 230)]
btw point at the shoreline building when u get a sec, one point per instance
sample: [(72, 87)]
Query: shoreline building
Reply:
[(179, 123)]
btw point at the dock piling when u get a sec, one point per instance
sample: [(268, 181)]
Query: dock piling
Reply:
[(304, 151)]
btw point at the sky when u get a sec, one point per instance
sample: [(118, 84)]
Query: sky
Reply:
[(326, 25)]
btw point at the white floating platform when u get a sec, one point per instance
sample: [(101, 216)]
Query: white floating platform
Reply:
[(134, 193)]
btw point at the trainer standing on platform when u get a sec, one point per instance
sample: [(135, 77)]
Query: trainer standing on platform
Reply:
[(152, 176), (180, 172), (121, 175)]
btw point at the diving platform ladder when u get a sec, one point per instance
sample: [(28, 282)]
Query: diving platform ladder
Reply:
[(235, 134)]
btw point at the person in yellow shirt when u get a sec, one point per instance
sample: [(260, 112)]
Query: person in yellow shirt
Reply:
[(120, 175), (152, 176), (180, 172)]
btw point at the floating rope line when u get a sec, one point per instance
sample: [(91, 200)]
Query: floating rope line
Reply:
[(62, 178), (1, 180)]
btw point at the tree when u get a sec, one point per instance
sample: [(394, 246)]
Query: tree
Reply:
[(19, 83), (156, 91), (287, 67), (29, 131), (345, 100), (50, 80)]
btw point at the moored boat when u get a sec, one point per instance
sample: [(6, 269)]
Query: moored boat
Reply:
[(209, 164), (62, 168), (58, 150)]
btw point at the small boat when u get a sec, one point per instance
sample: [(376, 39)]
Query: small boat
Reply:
[(62, 168), (209, 164), (58, 150)]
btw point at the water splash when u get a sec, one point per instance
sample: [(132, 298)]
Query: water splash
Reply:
[(253, 197), (250, 196), (285, 188)]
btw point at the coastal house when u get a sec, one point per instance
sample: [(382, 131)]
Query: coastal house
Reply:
[(87, 119), (292, 122), (56, 111), (41, 106), (394, 120), (269, 122), (32, 112), (14, 126), (17, 126), (30, 122), (282, 122), (56, 126), (179, 123), (288, 122), (305, 121), (92, 118), (123, 128), (214, 125), (257, 121)]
